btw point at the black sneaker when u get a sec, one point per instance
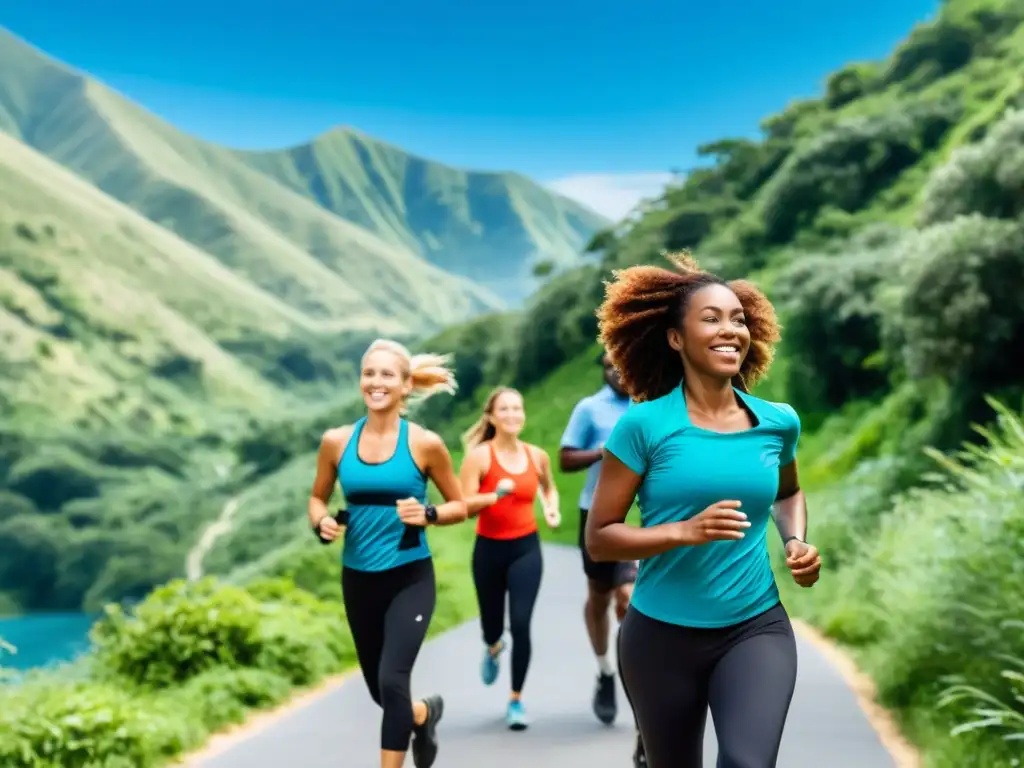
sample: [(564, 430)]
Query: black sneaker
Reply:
[(424, 737), (639, 755), (604, 699)]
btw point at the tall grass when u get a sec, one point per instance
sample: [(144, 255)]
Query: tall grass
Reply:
[(932, 598)]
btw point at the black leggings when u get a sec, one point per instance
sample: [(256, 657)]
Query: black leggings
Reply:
[(746, 674), (513, 566), (388, 613)]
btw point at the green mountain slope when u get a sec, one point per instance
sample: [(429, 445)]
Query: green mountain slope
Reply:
[(105, 313), (491, 227), (312, 260), (344, 226)]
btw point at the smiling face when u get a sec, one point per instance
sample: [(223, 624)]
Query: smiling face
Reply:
[(383, 381), (507, 414), (713, 337)]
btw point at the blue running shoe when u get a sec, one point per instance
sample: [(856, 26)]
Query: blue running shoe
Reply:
[(489, 667), (516, 716)]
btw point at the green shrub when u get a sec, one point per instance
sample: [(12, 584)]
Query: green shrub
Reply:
[(222, 697), (933, 594), (181, 630), (324, 646), (985, 178), (52, 724), (959, 309), (193, 658)]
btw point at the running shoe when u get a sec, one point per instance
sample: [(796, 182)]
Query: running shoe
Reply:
[(424, 737), (489, 667), (639, 754), (604, 699), (515, 716)]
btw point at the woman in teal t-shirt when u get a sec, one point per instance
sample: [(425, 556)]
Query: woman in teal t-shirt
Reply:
[(709, 465)]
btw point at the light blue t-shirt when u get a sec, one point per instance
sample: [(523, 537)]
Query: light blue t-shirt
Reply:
[(590, 424), (685, 469)]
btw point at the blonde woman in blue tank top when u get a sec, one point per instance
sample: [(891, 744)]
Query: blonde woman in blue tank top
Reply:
[(709, 465), (383, 462)]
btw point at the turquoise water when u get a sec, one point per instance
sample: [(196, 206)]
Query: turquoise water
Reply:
[(45, 638)]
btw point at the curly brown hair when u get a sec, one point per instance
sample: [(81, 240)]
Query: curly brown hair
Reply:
[(642, 303)]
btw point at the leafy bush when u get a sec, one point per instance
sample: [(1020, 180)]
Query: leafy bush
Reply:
[(50, 723), (935, 592), (848, 165), (833, 325), (181, 629), (191, 659), (958, 310), (985, 178), (223, 697)]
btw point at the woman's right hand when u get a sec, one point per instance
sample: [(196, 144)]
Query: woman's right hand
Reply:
[(722, 521), (329, 528), (505, 486)]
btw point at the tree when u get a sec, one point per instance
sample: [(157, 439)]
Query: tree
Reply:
[(987, 178)]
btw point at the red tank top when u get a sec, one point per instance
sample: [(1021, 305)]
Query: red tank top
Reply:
[(512, 516)]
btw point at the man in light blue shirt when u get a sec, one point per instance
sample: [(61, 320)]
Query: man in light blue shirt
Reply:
[(582, 445)]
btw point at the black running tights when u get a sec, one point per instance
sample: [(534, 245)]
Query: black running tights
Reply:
[(745, 673), (388, 613), (512, 566)]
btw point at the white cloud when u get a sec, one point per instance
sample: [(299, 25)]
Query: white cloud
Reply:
[(611, 194)]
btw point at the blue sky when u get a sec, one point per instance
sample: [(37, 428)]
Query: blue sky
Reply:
[(597, 98)]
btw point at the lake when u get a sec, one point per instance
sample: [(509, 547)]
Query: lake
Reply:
[(45, 638)]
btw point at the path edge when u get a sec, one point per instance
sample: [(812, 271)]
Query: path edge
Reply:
[(223, 740), (881, 720)]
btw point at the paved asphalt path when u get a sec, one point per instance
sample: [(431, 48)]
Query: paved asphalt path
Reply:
[(826, 727)]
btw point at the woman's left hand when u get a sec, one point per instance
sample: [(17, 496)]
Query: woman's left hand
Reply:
[(803, 561), (553, 516), (412, 512)]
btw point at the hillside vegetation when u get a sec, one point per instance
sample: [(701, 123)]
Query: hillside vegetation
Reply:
[(497, 229), (161, 298)]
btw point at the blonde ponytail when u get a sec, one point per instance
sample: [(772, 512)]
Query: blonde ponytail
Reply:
[(428, 373), (483, 429)]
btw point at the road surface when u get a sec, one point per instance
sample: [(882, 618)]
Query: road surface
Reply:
[(826, 727)]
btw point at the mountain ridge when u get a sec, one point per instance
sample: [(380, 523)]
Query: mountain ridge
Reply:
[(124, 149)]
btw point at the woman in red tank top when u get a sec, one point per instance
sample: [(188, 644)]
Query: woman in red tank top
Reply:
[(501, 476)]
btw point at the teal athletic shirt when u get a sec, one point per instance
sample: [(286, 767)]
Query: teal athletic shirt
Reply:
[(685, 469), (371, 494)]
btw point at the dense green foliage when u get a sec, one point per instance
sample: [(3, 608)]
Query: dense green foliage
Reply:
[(191, 659), (178, 296), (195, 657)]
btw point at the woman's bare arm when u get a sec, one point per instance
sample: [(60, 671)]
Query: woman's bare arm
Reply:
[(470, 473), (326, 474), (790, 510), (548, 489), (607, 536), (441, 470)]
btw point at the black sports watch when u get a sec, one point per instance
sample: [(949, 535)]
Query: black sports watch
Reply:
[(430, 512)]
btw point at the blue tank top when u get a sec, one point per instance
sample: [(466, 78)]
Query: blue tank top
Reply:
[(374, 534)]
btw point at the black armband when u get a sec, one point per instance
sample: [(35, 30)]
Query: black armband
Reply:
[(410, 537), (341, 518)]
